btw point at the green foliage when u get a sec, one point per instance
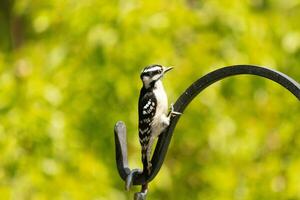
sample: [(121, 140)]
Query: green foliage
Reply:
[(70, 69)]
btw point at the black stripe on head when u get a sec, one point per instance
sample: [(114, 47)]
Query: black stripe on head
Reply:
[(152, 70)]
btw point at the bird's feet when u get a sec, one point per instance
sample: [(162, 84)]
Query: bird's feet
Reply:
[(173, 112)]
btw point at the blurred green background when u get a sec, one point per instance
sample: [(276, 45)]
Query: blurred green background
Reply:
[(70, 69)]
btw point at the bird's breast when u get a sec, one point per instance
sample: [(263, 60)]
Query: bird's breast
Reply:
[(162, 100)]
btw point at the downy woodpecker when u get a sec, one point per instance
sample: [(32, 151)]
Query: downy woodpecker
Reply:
[(153, 110)]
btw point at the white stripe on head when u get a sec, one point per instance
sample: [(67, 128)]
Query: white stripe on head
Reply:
[(151, 69), (156, 77)]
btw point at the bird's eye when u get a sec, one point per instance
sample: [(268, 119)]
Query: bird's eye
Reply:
[(159, 71)]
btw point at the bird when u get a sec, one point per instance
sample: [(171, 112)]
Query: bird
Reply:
[(152, 110)]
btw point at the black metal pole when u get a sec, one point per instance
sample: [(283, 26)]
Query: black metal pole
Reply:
[(182, 102)]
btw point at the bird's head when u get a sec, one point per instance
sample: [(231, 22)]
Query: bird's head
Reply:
[(152, 74)]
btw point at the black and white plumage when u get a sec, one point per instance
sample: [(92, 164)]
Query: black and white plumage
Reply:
[(153, 108)]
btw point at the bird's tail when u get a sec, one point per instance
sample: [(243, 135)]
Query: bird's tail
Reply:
[(146, 163)]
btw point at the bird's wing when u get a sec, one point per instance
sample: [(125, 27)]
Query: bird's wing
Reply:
[(147, 105)]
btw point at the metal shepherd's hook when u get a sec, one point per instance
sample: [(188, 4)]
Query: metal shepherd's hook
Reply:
[(136, 176)]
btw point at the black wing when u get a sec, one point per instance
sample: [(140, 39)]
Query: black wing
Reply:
[(147, 109)]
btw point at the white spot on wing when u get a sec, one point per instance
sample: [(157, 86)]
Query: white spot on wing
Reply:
[(143, 131)]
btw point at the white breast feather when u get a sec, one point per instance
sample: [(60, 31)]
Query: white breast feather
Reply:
[(161, 110)]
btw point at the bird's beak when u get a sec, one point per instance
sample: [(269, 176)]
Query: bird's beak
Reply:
[(166, 69)]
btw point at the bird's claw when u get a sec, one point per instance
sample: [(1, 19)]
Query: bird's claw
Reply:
[(172, 112)]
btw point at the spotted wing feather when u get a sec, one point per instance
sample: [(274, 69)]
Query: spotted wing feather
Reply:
[(147, 109)]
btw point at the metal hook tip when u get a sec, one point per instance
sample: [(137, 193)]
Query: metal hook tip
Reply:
[(129, 178)]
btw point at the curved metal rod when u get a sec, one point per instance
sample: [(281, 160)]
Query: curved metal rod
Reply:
[(180, 105)]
